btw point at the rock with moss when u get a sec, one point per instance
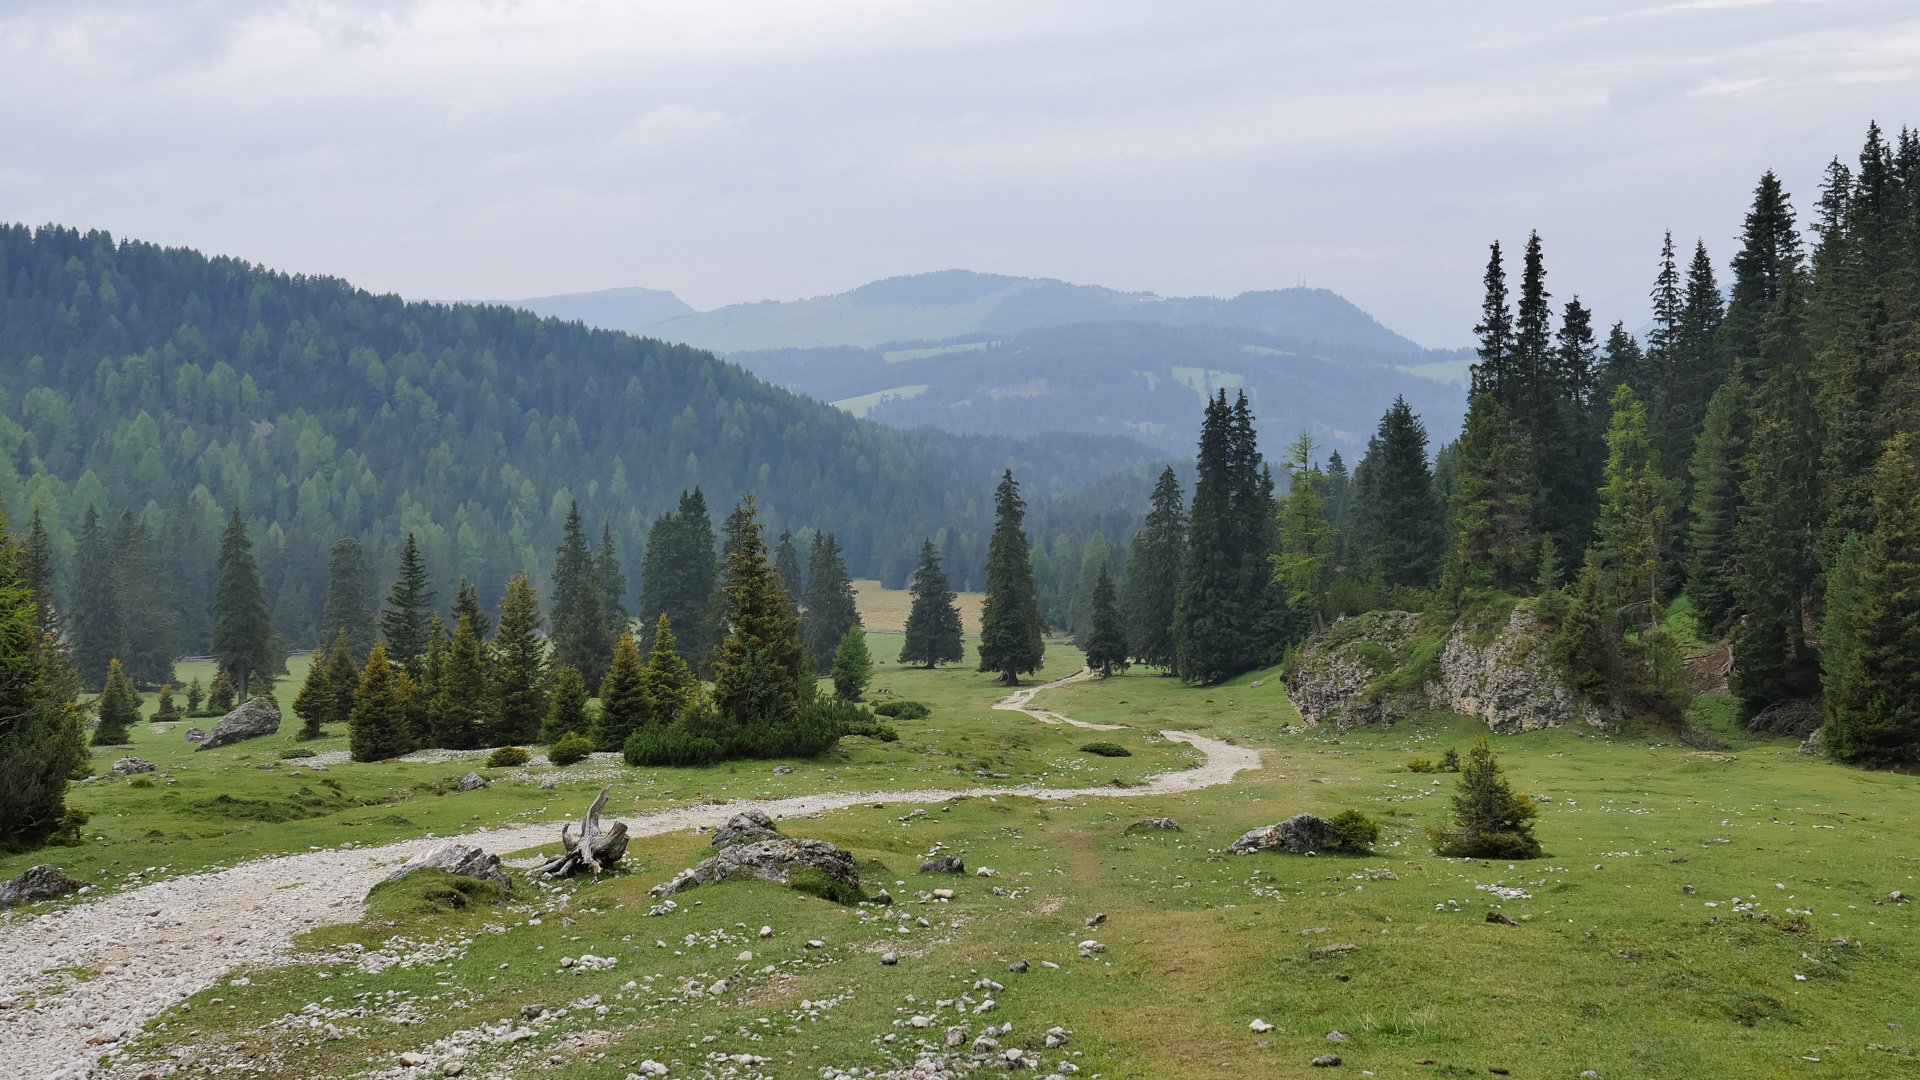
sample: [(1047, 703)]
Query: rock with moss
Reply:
[(42, 882), (258, 717), (1505, 676), (770, 860), (746, 827), (457, 859), (1344, 678)]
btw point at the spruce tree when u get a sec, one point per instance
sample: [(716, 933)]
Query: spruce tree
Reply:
[(1489, 820), (1408, 537), (145, 608), (624, 707), (1622, 363), (1531, 398), (196, 696), (460, 711), (579, 626), (42, 742), (786, 559), (314, 703), (405, 623), (466, 605), (419, 693), (1769, 252), (852, 665), (36, 573), (343, 679), (1495, 544), (760, 670), (519, 666), (1107, 640), (678, 575), (245, 644), (1717, 469), (1842, 616), (1568, 451), (1693, 368), (1212, 611), (1153, 575), (1010, 623), (118, 708), (933, 622), (1493, 373), (669, 684), (1306, 534), (164, 708), (349, 601), (97, 637), (613, 585), (220, 694), (377, 729), (829, 609), (566, 707), (1633, 510), (1874, 720)]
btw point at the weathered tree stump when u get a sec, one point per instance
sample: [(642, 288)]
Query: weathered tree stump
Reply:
[(594, 851)]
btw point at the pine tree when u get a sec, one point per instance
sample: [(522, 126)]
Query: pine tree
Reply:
[(613, 585), (119, 709), (466, 605), (460, 712), (245, 644), (1717, 470), (1622, 364), (97, 637), (1489, 820), (343, 679), (519, 666), (1633, 510), (196, 696), (148, 638), (933, 622), (1153, 575), (830, 610), (566, 707), (405, 622), (220, 695), (852, 665), (36, 573), (760, 670), (1010, 623), (786, 559), (1769, 252), (1874, 720), (579, 620), (1107, 641), (1407, 538), (349, 601), (1495, 544), (624, 707), (1531, 398), (669, 683), (1493, 374), (42, 742), (314, 703), (378, 728), (1842, 617)]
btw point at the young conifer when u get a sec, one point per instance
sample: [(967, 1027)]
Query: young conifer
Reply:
[(378, 728), (220, 696), (244, 641), (624, 707), (1875, 718), (406, 624), (460, 710), (466, 605), (760, 669), (1153, 575), (566, 707), (119, 708), (669, 684), (343, 680), (1107, 639), (933, 622), (579, 626), (852, 665), (830, 609), (348, 607), (519, 665), (314, 704), (42, 741), (1489, 820)]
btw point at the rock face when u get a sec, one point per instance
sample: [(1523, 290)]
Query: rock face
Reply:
[(1299, 834), (43, 882), (1336, 681), (768, 860), (127, 766), (249, 721), (471, 781), (455, 859), (193, 734), (746, 827), (946, 864), (1509, 681)]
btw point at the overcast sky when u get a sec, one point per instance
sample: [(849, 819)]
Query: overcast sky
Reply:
[(751, 150)]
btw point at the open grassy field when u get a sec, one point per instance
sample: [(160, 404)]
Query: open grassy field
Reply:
[(1698, 915), (886, 609)]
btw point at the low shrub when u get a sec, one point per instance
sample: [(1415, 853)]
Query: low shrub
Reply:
[(1420, 764), (1106, 749), (653, 746), (1449, 762), (873, 728), (140, 781), (296, 752), (1355, 833), (571, 748), (507, 757), (903, 710)]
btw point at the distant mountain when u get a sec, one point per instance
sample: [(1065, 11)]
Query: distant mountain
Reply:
[(629, 309)]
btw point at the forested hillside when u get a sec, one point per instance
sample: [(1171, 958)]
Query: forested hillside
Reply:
[(183, 387)]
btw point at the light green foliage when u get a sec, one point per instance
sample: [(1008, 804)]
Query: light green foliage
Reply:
[(1633, 511), (1489, 820), (507, 757), (852, 665), (1354, 833), (119, 709), (571, 749)]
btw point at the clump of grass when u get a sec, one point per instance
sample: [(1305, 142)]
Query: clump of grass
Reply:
[(295, 752), (140, 781), (1106, 749), (816, 882), (431, 892)]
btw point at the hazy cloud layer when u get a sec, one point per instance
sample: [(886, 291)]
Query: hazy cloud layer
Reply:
[(737, 151)]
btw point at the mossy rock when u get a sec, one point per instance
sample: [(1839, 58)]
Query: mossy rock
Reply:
[(815, 882), (432, 892)]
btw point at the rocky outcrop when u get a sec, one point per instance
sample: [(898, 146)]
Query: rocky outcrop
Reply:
[(768, 860), (945, 864), (127, 766), (471, 782), (746, 827), (1338, 680), (1508, 679), (250, 721), (43, 882), (455, 859), (1298, 834)]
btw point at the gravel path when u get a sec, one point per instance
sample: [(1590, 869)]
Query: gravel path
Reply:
[(160, 943), (1020, 699)]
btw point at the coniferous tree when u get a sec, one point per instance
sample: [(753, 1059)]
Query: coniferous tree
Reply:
[(579, 633), (196, 696), (1693, 368), (220, 695), (1530, 398), (613, 585), (349, 601), (466, 605), (679, 575), (164, 708), (1842, 616), (1495, 545), (459, 713), (144, 608), (1769, 252), (519, 665), (786, 559), (669, 683), (1718, 469), (933, 622), (42, 742), (1633, 510), (1493, 373), (97, 637), (245, 644), (1623, 363), (852, 665), (566, 707), (1010, 622), (624, 707), (36, 574), (1489, 820), (406, 622), (421, 692), (343, 679), (1407, 532), (378, 728), (1306, 535), (314, 703), (1213, 613), (119, 708), (1153, 575), (1667, 304), (1569, 452), (829, 609), (760, 671), (1107, 640), (1875, 718)]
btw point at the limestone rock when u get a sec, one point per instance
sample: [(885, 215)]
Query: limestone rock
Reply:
[(127, 766), (1018, 967), (471, 781), (251, 720), (1814, 746), (957, 1035), (1501, 919), (42, 882), (1155, 823), (1335, 681), (745, 827), (193, 734), (889, 959), (455, 859), (768, 860), (946, 864), (783, 770), (1509, 681), (1299, 834), (1326, 1061)]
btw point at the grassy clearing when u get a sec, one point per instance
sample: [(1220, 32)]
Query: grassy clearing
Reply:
[(886, 609)]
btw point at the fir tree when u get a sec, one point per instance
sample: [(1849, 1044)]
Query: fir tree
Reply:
[(613, 585), (460, 711), (1531, 397), (36, 573), (1633, 510), (1769, 252), (1010, 623), (420, 693), (624, 707), (343, 679), (1587, 645), (119, 709), (164, 708), (1407, 538), (1623, 363), (405, 622), (1306, 535), (580, 638), (196, 696), (1493, 373), (933, 622), (220, 695), (1493, 500), (314, 703), (1568, 450), (1153, 575), (466, 605), (1718, 469), (566, 707), (245, 644), (1107, 641), (1212, 611), (1489, 820), (669, 683), (1842, 616), (378, 728), (1875, 718), (42, 742), (519, 665), (97, 638), (852, 665), (829, 610), (786, 559), (760, 669), (678, 576), (349, 601), (1693, 368), (145, 610)]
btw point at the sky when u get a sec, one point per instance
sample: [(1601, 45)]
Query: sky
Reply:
[(778, 149)]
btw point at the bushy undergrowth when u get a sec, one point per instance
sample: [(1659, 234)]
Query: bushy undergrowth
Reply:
[(1106, 749), (506, 757), (572, 747), (655, 746), (1355, 833), (903, 710)]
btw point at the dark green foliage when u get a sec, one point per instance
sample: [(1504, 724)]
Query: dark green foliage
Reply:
[(1690, 365), (1769, 252), (466, 605), (903, 710), (314, 704), (655, 746), (816, 882), (349, 599), (164, 708), (1406, 525), (572, 748), (407, 621), (37, 574), (933, 622), (1489, 820), (613, 584), (118, 709), (378, 728), (761, 675), (507, 757), (460, 713), (829, 608), (1354, 833), (786, 559), (1633, 512), (1718, 470), (1106, 646), (196, 696), (566, 706), (1843, 603), (96, 610), (343, 682), (852, 665), (296, 753), (143, 606), (519, 666), (1493, 503), (624, 705), (865, 724), (1153, 575), (1623, 363), (1106, 749), (679, 576), (1874, 719), (579, 629), (1228, 612), (1010, 623), (1586, 648), (1494, 372), (1449, 761)]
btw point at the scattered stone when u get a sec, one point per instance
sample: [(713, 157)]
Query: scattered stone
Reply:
[(745, 827), (883, 898), (127, 766), (985, 1045), (471, 781), (455, 859), (1688, 889), (550, 783), (766, 931), (532, 1012), (251, 720), (1156, 823), (1097, 918), (1335, 949), (1056, 1038), (1898, 897), (453, 1068), (411, 1058), (1018, 967), (816, 943), (651, 1067), (783, 770), (1090, 947), (1338, 1036), (193, 734), (957, 1035), (1326, 1061), (1501, 919), (768, 860), (1299, 834), (1050, 965), (983, 872), (943, 894), (1260, 1027), (744, 957), (42, 882), (1589, 1074), (947, 864), (889, 959)]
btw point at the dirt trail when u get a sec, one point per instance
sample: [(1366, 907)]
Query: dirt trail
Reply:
[(1020, 699), (160, 943)]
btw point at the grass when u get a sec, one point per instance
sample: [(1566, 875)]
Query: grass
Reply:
[(1613, 966), (886, 609)]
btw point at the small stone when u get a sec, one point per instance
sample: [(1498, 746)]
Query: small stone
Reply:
[(1898, 897), (1156, 823), (453, 1068), (1018, 967), (1501, 919), (549, 783), (943, 894), (532, 1012), (889, 959), (568, 920), (193, 734), (472, 781), (957, 1035), (1338, 1036), (1260, 1027), (983, 872), (985, 1045), (651, 1067), (128, 766), (744, 956), (883, 898), (947, 864), (919, 1022), (1589, 1074), (1090, 947), (566, 961), (1050, 965), (1326, 1061), (1097, 918), (411, 1058), (1688, 889), (766, 931), (816, 943), (782, 770), (1335, 949)]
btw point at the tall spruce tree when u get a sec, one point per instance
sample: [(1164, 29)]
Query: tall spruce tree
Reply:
[(406, 622), (1693, 368), (1718, 469), (852, 665), (1530, 398), (343, 679), (519, 665), (1875, 718), (933, 621), (466, 605), (786, 559), (1212, 612), (624, 707), (613, 584), (579, 626), (97, 638), (42, 743), (829, 604), (1769, 252), (349, 601), (1633, 511), (1107, 639), (119, 708), (1493, 372), (1495, 544), (245, 644), (460, 712), (1568, 451), (37, 573), (378, 728), (1841, 620), (1153, 575), (1407, 525), (1623, 363), (761, 674), (678, 575), (1010, 622), (148, 638)]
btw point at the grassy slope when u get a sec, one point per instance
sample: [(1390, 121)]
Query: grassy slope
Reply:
[(1612, 968)]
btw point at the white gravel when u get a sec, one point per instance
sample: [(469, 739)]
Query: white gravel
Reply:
[(171, 939)]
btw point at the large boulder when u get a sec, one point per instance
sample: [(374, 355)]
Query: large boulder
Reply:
[(472, 781), (455, 859), (1505, 676), (1341, 678), (746, 827), (946, 864), (249, 721), (1298, 834), (768, 860), (43, 882), (127, 766)]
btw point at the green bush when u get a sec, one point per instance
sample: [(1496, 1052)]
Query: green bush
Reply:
[(572, 747), (1449, 762), (658, 745), (873, 728), (296, 752), (1355, 833), (1489, 820), (816, 882), (140, 781), (507, 757), (1420, 764), (903, 710), (1106, 749)]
